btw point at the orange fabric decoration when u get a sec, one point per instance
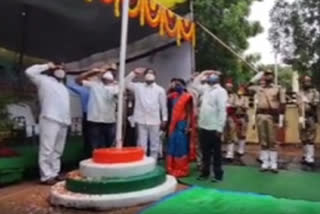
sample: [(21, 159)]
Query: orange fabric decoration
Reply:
[(157, 16), (134, 8), (107, 1)]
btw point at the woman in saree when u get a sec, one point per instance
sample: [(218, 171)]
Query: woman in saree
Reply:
[(177, 160)]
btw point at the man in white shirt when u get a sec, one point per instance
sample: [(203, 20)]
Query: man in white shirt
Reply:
[(54, 117), (150, 112), (102, 105), (212, 119)]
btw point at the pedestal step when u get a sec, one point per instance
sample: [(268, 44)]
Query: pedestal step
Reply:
[(60, 196), (77, 183), (88, 168)]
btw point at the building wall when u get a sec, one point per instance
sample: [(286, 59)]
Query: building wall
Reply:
[(172, 62), (169, 63)]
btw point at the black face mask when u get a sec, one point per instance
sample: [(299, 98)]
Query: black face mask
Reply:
[(307, 86), (269, 81)]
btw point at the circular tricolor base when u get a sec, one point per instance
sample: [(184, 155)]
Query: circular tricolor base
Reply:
[(90, 169), (115, 155), (77, 183), (61, 197)]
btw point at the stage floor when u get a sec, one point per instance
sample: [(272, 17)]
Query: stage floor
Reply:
[(31, 198)]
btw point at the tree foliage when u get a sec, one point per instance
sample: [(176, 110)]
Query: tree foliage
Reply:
[(227, 19), (295, 33)]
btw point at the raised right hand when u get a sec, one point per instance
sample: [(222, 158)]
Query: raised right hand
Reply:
[(139, 71)]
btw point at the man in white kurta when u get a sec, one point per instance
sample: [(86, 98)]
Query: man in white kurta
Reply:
[(54, 118), (150, 112), (101, 107)]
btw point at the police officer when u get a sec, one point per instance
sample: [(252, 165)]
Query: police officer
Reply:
[(308, 100), (230, 132), (270, 111), (242, 104)]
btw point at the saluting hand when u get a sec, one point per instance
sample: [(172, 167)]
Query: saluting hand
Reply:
[(139, 71)]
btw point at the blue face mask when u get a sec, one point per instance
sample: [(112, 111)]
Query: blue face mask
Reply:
[(213, 80), (179, 89)]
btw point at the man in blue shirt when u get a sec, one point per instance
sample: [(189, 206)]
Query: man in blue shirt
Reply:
[(83, 93)]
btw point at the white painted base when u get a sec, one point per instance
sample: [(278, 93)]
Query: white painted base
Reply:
[(123, 170), (60, 196)]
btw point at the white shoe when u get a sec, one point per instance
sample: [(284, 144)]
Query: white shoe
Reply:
[(241, 147), (309, 155), (264, 156), (230, 151), (274, 161)]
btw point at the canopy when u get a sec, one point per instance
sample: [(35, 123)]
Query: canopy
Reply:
[(64, 30)]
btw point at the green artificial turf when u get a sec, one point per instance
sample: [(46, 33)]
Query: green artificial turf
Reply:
[(287, 184), (205, 200)]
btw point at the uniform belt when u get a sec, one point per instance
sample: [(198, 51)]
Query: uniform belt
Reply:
[(268, 111)]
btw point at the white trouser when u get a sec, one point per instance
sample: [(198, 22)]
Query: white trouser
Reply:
[(151, 133), (52, 142)]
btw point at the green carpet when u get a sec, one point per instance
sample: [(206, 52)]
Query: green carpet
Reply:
[(205, 200), (286, 184), (26, 165)]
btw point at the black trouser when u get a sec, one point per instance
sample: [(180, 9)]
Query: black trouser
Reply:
[(101, 135), (210, 143), (130, 138), (87, 147)]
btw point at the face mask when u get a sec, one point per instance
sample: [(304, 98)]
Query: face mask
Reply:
[(307, 85), (213, 79), (108, 76), (60, 74), (179, 89), (150, 78)]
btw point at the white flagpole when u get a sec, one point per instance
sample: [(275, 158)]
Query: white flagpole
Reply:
[(123, 52)]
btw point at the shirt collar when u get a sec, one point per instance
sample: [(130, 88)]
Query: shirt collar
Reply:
[(151, 85)]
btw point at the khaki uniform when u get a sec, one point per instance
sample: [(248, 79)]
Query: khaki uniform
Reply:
[(307, 103), (242, 105), (230, 131), (269, 103)]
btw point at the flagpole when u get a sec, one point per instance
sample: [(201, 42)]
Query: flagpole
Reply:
[(123, 53)]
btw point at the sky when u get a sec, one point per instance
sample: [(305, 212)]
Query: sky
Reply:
[(260, 44)]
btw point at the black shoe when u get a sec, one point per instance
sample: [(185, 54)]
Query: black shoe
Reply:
[(216, 179), (49, 182), (60, 177), (303, 161), (239, 154), (310, 164), (275, 171), (202, 177), (259, 160), (263, 170), (219, 176), (228, 160)]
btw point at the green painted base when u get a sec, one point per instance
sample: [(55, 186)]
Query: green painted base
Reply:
[(78, 184)]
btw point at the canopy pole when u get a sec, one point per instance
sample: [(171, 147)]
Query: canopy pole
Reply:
[(123, 53)]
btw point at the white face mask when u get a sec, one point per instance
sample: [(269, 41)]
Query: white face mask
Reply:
[(108, 76), (150, 77), (59, 73)]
